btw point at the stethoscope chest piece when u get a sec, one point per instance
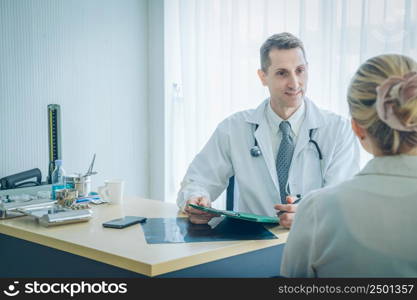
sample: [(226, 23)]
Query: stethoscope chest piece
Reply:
[(255, 151)]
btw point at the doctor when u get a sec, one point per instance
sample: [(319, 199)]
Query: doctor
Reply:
[(284, 147)]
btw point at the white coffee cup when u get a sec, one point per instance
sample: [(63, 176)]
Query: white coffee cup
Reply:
[(112, 191)]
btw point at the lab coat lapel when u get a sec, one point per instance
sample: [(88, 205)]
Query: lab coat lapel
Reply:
[(312, 120), (262, 135), (264, 140)]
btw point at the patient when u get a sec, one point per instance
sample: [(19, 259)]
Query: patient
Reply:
[(367, 226)]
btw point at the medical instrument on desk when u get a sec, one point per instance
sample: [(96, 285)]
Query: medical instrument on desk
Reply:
[(31, 201), (82, 183), (66, 197), (65, 217), (21, 179), (90, 169), (13, 199), (54, 137), (56, 215)]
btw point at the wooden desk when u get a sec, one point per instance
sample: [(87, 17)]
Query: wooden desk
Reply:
[(88, 250)]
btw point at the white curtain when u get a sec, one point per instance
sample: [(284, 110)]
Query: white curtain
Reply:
[(212, 55)]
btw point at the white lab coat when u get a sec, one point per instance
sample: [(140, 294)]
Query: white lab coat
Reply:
[(227, 153), (364, 227)]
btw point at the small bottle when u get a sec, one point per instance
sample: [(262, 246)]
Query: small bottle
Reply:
[(58, 178), (70, 182)]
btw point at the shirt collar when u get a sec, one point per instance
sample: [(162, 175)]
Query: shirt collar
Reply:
[(295, 120), (392, 165)]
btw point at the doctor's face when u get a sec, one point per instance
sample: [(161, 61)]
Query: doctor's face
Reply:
[(286, 77)]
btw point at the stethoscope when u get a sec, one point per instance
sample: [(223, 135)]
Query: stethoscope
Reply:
[(255, 151)]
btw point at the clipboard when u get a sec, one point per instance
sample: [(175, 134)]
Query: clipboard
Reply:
[(238, 215)]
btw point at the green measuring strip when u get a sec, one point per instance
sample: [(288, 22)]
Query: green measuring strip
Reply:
[(54, 134)]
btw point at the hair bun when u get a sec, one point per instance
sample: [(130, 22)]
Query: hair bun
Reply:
[(409, 90), (393, 93)]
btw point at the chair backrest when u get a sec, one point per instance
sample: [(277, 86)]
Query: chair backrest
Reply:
[(230, 193)]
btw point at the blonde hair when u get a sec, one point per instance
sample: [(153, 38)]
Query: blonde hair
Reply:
[(362, 96)]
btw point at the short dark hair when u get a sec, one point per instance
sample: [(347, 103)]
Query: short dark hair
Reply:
[(284, 40)]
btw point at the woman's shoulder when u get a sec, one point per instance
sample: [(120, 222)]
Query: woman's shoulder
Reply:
[(330, 194)]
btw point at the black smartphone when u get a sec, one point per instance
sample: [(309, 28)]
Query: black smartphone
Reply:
[(124, 222)]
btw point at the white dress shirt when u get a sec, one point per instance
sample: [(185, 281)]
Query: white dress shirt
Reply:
[(363, 227), (296, 120)]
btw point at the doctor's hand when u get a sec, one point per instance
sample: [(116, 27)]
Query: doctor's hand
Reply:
[(287, 211), (198, 216)]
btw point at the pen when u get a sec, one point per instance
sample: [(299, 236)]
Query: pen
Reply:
[(281, 212)]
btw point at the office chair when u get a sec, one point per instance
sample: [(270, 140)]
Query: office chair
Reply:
[(230, 193)]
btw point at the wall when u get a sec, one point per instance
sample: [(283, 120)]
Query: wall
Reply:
[(91, 57), (156, 72)]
